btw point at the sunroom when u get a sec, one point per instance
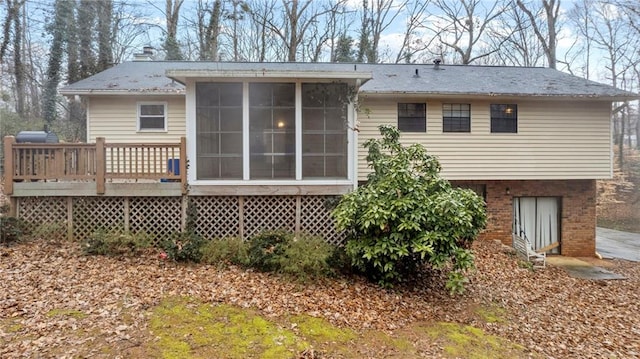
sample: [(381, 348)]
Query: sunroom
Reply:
[(264, 132)]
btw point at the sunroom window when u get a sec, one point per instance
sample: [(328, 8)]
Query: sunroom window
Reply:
[(219, 130), (272, 116), (324, 135), (271, 131)]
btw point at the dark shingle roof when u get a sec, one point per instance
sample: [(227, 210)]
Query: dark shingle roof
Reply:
[(150, 77)]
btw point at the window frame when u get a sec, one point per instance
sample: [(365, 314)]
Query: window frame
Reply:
[(460, 119), (255, 185), (220, 158), (494, 128), (165, 116), (327, 154), (423, 128)]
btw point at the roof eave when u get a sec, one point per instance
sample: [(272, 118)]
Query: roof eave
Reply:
[(144, 92), (181, 75), (612, 98)]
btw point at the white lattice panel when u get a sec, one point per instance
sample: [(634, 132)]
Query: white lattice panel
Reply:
[(315, 219), (159, 217), (262, 213), (217, 217), (42, 210), (45, 213), (97, 213)]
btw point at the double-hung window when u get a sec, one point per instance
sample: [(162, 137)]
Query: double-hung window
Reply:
[(456, 117), (504, 118), (412, 117), (152, 116)]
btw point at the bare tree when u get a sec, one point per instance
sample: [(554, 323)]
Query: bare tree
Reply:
[(548, 39), (260, 40), (516, 39), (380, 18), (465, 23), (412, 43)]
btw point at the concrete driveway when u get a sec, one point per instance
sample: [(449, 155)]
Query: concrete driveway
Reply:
[(617, 244)]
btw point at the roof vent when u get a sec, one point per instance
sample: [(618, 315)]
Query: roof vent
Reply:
[(417, 74), (436, 64)]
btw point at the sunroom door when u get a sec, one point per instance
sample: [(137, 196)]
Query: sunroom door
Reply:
[(538, 218)]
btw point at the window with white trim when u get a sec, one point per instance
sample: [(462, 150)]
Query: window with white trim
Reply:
[(152, 116), (456, 117)]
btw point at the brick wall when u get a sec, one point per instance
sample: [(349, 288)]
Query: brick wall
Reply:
[(578, 210)]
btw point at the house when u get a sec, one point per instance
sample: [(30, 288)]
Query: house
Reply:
[(264, 145)]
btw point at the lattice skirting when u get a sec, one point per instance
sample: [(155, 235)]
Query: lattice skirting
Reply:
[(216, 216)]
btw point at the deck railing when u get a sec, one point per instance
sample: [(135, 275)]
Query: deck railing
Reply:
[(99, 162)]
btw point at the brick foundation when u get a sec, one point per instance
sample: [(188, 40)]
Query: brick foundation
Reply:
[(577, 209)]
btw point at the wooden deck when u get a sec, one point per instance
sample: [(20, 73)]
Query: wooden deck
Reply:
[(89, 169)]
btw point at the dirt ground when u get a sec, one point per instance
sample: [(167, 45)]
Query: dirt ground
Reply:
[(56, 302), (619, 198)]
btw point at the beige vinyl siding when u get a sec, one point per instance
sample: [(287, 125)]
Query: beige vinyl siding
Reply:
[(115, 119), (555, 139)]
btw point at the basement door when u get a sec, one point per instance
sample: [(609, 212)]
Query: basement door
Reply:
[(538, 218)]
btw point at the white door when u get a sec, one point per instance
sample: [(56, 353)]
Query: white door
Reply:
[(538, 218)]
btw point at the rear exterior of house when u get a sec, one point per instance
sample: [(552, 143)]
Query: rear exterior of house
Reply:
[(270, 145)]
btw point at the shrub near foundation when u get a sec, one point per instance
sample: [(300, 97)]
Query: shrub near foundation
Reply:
[(226, 251), (407, 217), (11, 229), (301, 258), (107, 243)]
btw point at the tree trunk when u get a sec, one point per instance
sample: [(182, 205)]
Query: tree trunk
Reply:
[(105, 51), (172, 14), (62, 17), (293, 34), (18, 65), (86, 19)]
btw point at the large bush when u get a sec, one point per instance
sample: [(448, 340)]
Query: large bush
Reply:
[(407, 216)]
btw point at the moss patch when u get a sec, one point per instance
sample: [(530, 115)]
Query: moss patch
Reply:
[(320, 330), (187, 329), (470, 342), (184, 327), (491, 314)]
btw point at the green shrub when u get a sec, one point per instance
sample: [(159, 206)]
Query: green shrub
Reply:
[(267, 248), (226, 251), (306, 257), (107, 243), (184, 247), (12, 229), (300, 258), (407, 216), (50, 231), (339, 261)]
